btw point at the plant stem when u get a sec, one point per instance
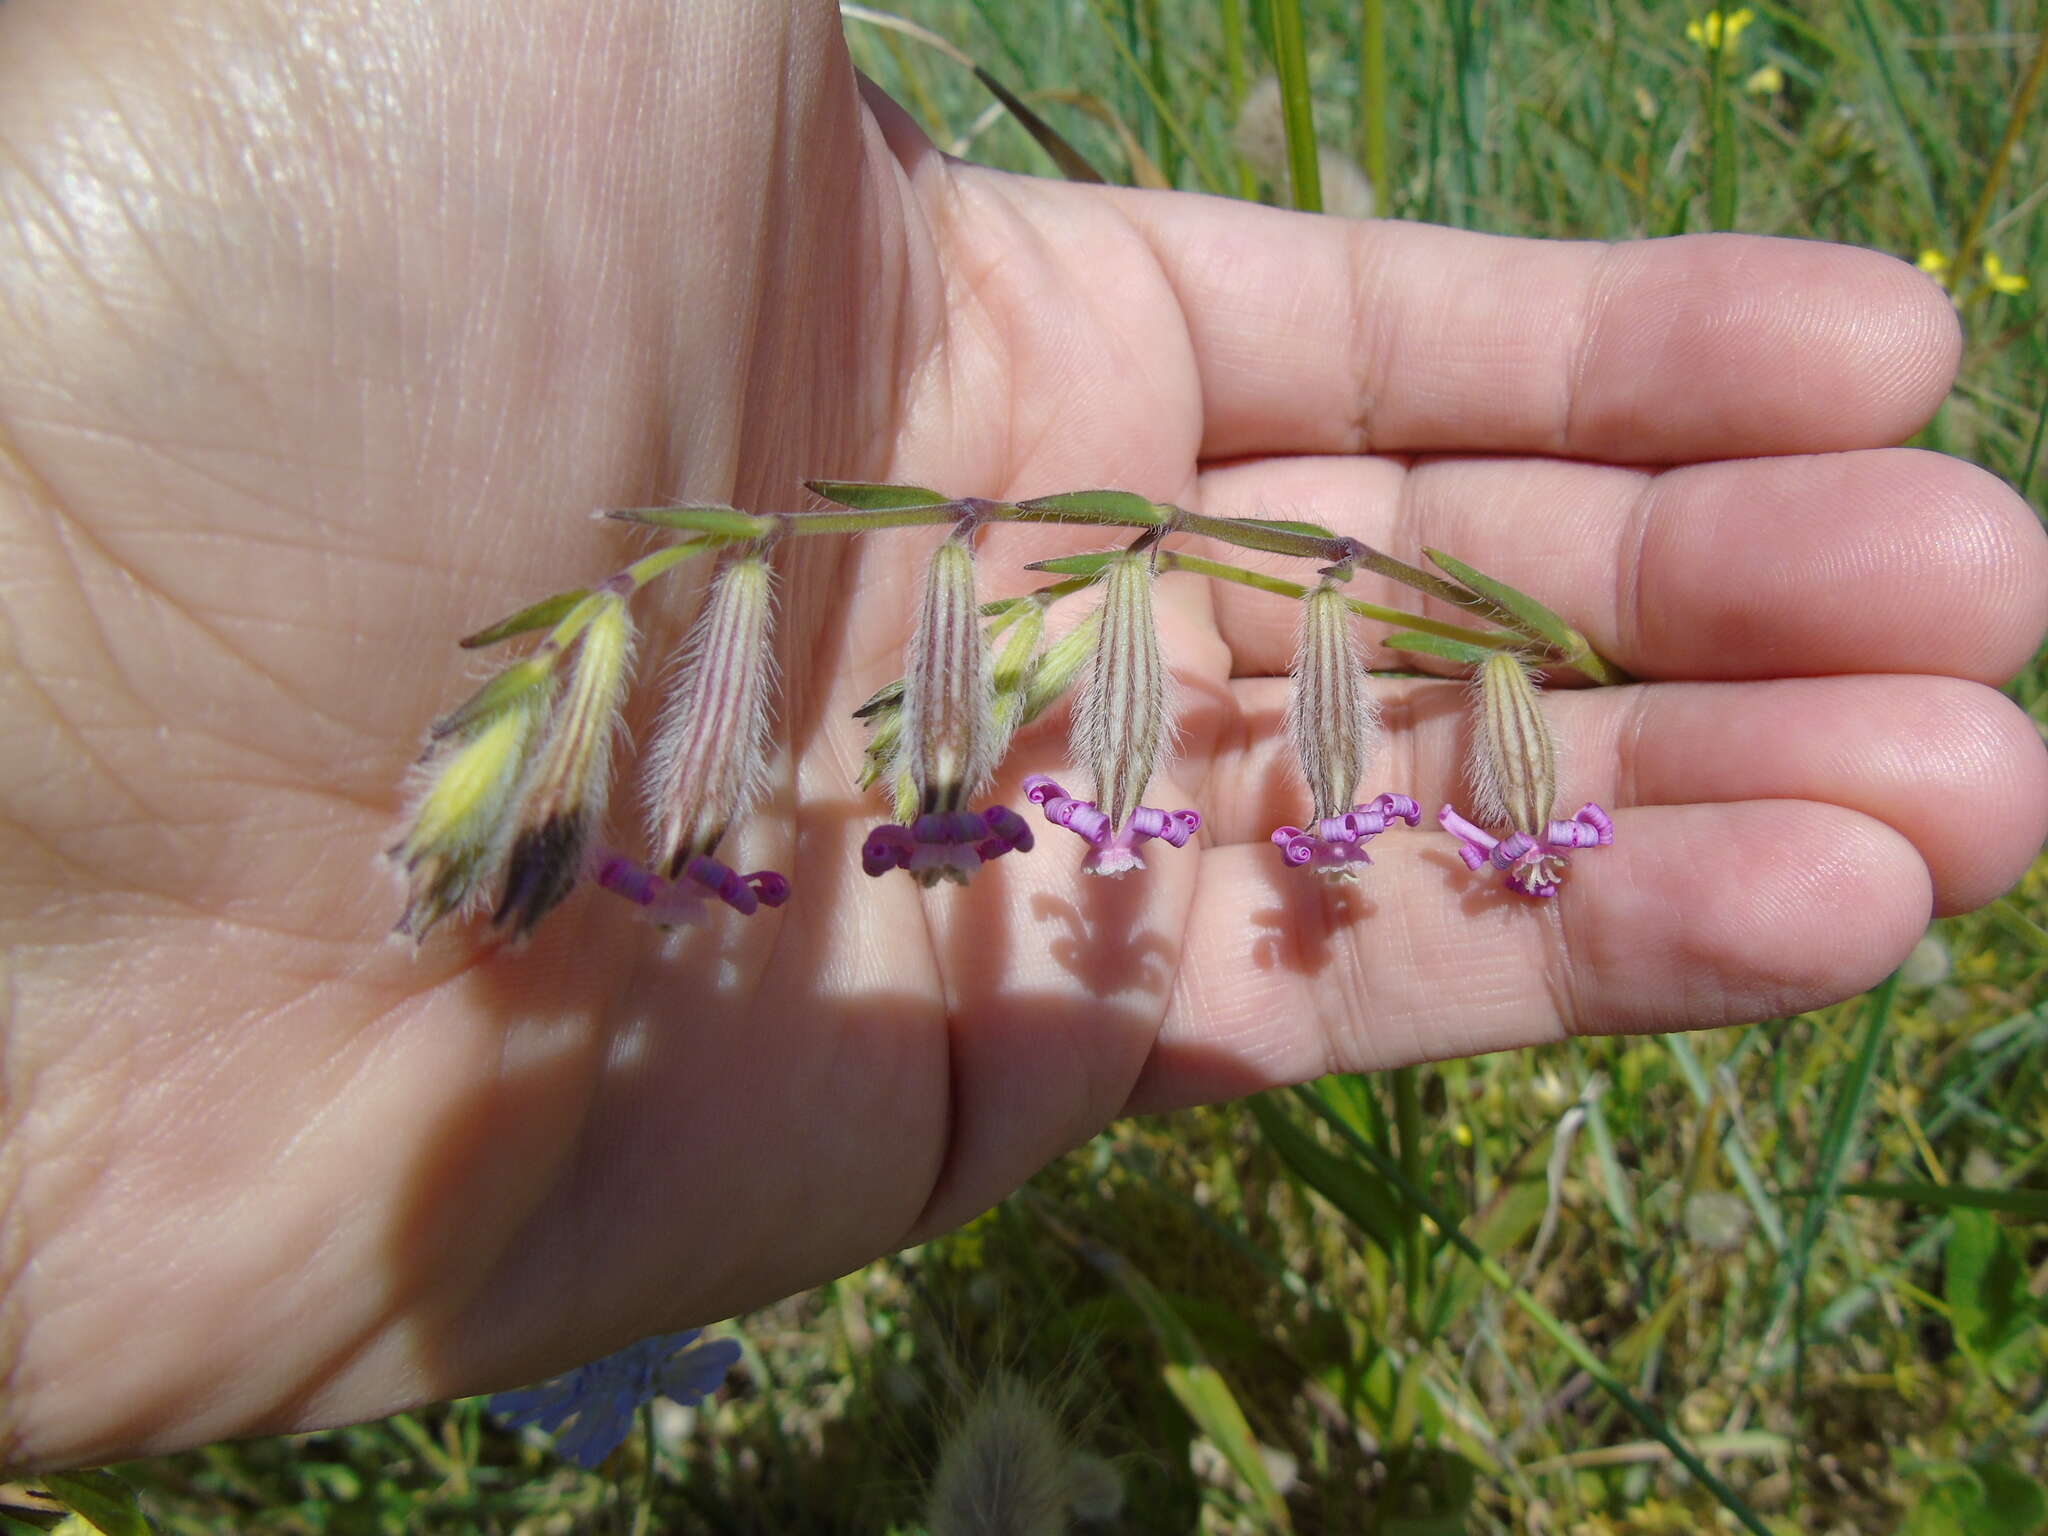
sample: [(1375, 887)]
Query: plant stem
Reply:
[(2022, 103), (1372, 102), (1290, 62)]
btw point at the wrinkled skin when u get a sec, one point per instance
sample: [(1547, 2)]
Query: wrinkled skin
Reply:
[(324, 328)]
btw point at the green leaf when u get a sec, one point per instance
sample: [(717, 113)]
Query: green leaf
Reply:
[(1959, 1197), (544, 614), (1077, 565), (1123, 509), (1534, 619), (1460, 651), (502, 692), (102, 1500), (1287, 525), (888, 696), (867, 496), (1980, 1499), (1984, 1283), (726, 522), (1354, 1190), (1199, 1387)]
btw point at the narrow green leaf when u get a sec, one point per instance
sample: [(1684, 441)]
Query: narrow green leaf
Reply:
[(1287, 525), (888, 696), (1560, 1332), (1072, 163), (727, 522), (2032, 1203), (1461, 651), (102, 1500), (1343, 1183), (542, 615), (1076, 565), (1537, 621), (1124, 509), (499, 694), (1197, 1385), (866, 496)]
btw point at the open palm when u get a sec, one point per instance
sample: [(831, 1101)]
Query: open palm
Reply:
[(322, 328)]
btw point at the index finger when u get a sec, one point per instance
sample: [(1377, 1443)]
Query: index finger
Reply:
[(1326, 335)]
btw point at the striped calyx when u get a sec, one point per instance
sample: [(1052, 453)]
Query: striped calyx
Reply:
[(948, 745), (1333, 719), (1121, 724), (711, 750), (1513, 766)]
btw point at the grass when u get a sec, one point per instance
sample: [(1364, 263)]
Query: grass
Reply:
[(1519, 1293)]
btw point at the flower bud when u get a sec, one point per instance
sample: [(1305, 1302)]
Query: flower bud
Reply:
[(1016, 666), (1121, 723), (1334, 721), (565, 795), (1513, 765), (948, 743), (461, 826), (711, 750)]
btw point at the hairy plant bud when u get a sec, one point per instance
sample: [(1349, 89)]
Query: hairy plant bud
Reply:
[(711, 750)]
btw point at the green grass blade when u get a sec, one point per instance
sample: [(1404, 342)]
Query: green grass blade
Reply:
[(1560, 1332), (1297, 106), (1196, 1385), (2031, 1203), (1341, 1182), (1768, 1216)]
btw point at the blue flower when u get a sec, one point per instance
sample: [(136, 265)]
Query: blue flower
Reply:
[(602, 1397)]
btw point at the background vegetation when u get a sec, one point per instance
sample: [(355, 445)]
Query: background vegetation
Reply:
[(1812, 1253)]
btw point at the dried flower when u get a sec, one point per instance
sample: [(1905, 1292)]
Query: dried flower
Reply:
[(1120, 728), (565, 793), (946, 737), (602, 1397), (1336, 731), (1513, 768), (461, 828)]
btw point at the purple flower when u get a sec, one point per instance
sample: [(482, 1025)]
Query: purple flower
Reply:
[(947, 736), (1113, 851), (1336, 846), (672, 903), (1535, 866), (602, 1397), (948, 845), (1336, 731)]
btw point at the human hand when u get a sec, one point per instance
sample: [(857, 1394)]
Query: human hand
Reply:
[(324, 324)]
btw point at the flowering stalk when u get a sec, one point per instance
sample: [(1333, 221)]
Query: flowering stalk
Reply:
[(1336, 729), (947, 738), (1513, 770), (1120, 728), (710, 755), (515, 779)]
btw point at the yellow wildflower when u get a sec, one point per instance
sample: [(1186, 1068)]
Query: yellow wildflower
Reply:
[(1767, 81), (1716, 32), (2000, 280), (1933, 262)]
